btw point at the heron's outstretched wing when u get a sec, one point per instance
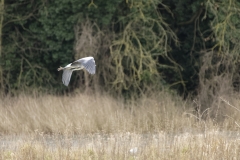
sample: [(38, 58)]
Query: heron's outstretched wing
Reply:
[(88, 63), (67, 73)]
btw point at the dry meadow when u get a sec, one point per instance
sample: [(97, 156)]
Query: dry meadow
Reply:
[(97, 126)]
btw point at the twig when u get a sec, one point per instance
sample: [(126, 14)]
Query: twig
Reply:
[(227, 102)]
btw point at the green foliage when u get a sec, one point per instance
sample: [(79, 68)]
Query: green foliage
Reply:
[(219, 69), (137, 44), (40, 37), (144, 38)]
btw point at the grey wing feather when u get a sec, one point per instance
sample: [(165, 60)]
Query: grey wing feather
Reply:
[(66, 76), (88, 64)]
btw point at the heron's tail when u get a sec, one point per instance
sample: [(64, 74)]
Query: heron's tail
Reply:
[(60, 68)]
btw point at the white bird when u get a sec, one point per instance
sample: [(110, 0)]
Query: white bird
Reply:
[(133, 150), (88, 63)]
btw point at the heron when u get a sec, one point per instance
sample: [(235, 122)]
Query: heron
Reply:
[(87, 63)]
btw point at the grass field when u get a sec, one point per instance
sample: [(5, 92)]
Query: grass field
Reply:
[(96, 126)]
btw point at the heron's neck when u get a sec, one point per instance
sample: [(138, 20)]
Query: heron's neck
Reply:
[(77, 68)]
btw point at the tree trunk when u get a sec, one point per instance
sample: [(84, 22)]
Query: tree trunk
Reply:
[(1, 54)]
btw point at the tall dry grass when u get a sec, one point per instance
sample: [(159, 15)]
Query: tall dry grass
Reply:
[(97, 126), (88, 113)]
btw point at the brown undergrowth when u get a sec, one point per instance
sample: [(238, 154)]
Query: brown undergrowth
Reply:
[(97, 126), (89, 113)]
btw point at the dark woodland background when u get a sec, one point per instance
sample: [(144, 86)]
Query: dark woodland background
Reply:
[(190, 47)]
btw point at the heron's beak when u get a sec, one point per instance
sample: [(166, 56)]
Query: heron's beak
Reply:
[(60, 68)]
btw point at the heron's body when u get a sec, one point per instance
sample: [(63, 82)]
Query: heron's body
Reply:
[(88, 63)]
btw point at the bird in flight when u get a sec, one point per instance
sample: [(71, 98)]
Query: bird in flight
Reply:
[(87, 62)]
